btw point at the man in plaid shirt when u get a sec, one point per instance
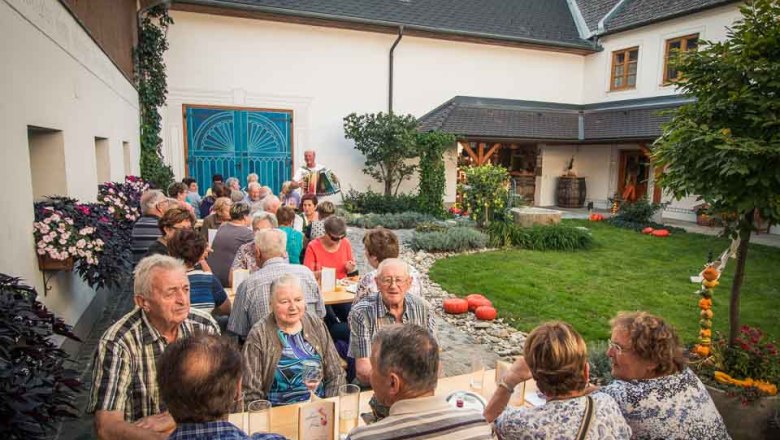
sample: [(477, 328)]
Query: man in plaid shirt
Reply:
[(200, 379), (125, 397)]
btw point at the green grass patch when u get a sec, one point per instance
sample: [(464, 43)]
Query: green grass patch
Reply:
[(624, 270)]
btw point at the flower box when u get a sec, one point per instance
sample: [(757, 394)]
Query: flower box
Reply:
[(743, 421), (46, 262)]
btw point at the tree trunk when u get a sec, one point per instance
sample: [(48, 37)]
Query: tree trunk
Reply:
[(388, 186), (739, 278)]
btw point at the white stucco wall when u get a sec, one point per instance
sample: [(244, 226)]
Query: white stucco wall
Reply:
[(651, 39), (55, 76), (323, 74)]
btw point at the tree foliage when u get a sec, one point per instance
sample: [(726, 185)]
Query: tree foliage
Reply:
[(431, 147), (152, 89), (485, 192), (725, 146), (387, 141)]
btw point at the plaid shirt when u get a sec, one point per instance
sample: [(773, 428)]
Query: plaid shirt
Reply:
[(251, 302), (217, 430), (124, 375), (245, 258), (370, 314), (367, 285)]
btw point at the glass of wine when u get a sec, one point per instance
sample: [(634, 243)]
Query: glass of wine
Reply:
[(312, 376)]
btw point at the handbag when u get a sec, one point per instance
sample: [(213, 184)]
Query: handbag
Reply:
[(586, 418)]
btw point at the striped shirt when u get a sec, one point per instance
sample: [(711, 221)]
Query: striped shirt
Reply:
[(370, 314), (124, 375), (206, 292), (431, 418), (145, 232), (251, 301)]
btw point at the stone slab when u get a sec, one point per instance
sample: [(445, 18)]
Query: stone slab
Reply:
[(530, 216)]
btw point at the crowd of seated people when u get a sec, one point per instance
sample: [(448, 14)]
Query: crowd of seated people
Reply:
[(175, 365)]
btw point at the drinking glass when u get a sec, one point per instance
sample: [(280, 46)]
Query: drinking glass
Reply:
[(259, 412), (477, 372), (349, 407), (239, 408), (312, 376)]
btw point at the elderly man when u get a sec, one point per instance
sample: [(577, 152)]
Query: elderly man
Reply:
[(251, 303), (255, 196), (271, 204), (200, 379), (246, 255), (145, 230), (124, 397), (391, 305), (306, 176), (405, 367)]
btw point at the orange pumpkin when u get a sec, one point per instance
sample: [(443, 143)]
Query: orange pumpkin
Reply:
[(648, 230), (710, 274), (706, 314), (486, 313), (470, 296), (595, 217), (478, 302), (701, 350), (705, 303), (660, 233), (705, 333), (455, 306)]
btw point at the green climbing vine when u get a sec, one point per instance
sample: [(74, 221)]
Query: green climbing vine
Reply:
[(152, 89), (431, 147)]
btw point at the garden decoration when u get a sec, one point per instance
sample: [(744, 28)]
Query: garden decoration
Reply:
[(709, 281), (596, 217), (485, 313), (455, 306)]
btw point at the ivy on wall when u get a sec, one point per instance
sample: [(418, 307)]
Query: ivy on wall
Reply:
[(431, 147), (152, 89)]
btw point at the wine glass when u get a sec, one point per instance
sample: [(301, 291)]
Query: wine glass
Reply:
[(312, 376)]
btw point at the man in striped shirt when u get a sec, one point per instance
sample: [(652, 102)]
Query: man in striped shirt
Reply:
[(125, 397), (404, 375), (391, 305), (146, 230)]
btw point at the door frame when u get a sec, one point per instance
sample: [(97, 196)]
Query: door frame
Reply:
[(623, 158), (184, 108)]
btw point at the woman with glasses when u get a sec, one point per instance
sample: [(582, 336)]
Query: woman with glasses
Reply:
[(556, 357), (332, 250), (230, 236), (658, 394), (173, 220)]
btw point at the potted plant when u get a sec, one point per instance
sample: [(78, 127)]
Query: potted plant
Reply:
[(55, 239)]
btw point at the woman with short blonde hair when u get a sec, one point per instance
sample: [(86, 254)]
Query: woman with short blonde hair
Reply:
[(556, 357)]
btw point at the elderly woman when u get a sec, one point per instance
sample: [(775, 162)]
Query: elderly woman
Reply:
[(277, 347), (206, 292), (220, 214), (331, 250), (230, 236), (556, 357), (308, 213), (324, 210), (658, 394), (381, 244), (173, 220), (245, 257)]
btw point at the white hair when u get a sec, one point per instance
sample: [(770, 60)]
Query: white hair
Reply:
[(286, 280), (259, 216), (271, 242), (150, 199), (144, 272), (253, 185), (392, 262), (252, 177)]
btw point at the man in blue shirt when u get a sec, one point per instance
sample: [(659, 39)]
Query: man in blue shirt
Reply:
[(199, 377)]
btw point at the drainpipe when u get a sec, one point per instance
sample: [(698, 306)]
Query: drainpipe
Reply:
[(392, 49)]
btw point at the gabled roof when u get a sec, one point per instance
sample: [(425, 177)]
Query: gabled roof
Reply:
[(622, 15), (540, 22), (472, 117)]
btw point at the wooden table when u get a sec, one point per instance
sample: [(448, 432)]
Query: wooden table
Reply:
[(284, 419), (330, 297)]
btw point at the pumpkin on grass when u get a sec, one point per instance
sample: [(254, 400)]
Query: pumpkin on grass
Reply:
[(660, 233), (648, 230), (455, 306), (478, 302), (486, 313)]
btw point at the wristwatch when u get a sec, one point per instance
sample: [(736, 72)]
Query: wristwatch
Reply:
[(504, 385)]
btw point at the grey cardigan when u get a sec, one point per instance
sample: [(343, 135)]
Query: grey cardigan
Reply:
[(263, 349)]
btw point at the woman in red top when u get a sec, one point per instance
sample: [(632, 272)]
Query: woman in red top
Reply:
[(331, 250)]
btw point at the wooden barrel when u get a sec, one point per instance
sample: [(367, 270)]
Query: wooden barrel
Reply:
[(525, 186), (571, 192)]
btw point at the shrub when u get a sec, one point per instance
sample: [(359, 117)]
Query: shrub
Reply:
[(455, 239), (431, 227), (600, 364), (36, 390), (431, 147), (372, 202), (640, 211), (485, 192), (540, 238), (404, 220)]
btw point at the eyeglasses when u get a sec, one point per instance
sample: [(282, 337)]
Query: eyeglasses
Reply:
[(389, 281), (336, 238), (618, 349)]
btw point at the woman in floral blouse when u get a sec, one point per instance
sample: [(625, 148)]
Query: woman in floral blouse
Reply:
[(556, 357), (658, 394)]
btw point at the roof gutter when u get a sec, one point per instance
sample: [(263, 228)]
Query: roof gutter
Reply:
[(227, 4), (601, 28), (579, 20)]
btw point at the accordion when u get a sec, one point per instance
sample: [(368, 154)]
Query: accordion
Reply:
[(321, 182)]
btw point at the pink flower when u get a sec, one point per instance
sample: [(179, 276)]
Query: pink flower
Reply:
[(41, 251), (46, 239), (81, 243)]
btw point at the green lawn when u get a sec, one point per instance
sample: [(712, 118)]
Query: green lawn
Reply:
[(624, 271)]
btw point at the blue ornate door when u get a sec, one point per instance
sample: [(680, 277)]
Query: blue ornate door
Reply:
[(235, 142)]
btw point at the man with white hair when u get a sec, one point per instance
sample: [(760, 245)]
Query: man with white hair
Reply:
[(255, 196), (125, 397), (146, 229), (251, 302), (391, 305), (246, 257), (306, 176), (271, 204)]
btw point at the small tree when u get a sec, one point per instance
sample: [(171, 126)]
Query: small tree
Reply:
[(388, 142), (725, 146), (485, 192), (431, 147)]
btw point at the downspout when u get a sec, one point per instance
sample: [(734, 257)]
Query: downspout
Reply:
[(392, 49)]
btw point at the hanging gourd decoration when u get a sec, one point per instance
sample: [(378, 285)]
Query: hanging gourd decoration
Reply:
[(615, 207), (710, 277)]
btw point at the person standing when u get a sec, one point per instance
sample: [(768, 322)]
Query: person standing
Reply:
[(285, 217), (306, 176)]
